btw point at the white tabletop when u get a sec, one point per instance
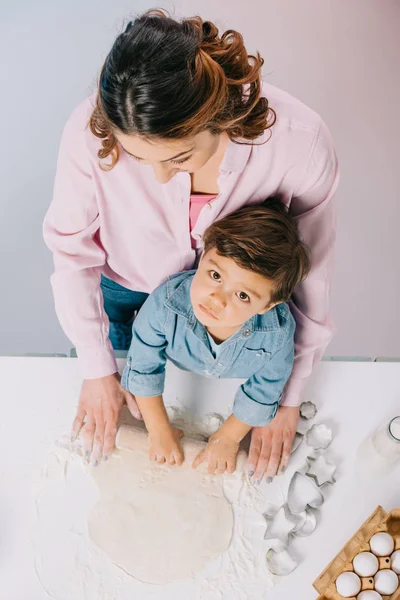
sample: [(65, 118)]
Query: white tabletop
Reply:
[(38, 399)]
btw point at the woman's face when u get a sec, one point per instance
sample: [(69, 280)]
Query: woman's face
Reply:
[(168, 157)]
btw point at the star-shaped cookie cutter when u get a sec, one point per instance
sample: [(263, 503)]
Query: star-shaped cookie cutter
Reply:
[(319, 469)]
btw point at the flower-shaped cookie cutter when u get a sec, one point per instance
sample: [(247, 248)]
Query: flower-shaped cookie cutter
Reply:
[(319, 436)]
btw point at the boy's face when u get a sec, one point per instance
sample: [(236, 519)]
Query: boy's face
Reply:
[(226, 295)]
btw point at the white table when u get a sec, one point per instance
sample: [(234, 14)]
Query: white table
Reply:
[(38, 399)]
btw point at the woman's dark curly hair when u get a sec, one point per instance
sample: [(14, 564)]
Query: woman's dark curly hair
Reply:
[(170, 79)]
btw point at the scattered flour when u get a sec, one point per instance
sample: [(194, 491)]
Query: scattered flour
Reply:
[(70, 567)]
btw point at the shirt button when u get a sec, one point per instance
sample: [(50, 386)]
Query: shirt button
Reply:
[(209, 205), (220, 365), (259, 354), (196, 236), (247, 333)]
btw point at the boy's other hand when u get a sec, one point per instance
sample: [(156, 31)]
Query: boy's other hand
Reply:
[(220, 454), (165, 446), (271, 445)]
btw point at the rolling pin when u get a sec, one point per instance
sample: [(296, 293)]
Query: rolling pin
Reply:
[(135, 439)]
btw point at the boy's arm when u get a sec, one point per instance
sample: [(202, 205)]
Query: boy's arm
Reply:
[(153, 413), (256, 403), (144, 376), (163, 437), (257, 400), (144, 372)]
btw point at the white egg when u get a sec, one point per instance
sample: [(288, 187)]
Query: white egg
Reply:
[(365, 564), (369, 595), (382, 544), (396, 562), (348, 584), (386, 582)]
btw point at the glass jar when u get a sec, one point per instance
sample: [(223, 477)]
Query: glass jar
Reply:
[(386, 441), (380, 452)]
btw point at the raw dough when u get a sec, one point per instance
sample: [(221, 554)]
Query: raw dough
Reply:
[(156, 522), (69, 566)]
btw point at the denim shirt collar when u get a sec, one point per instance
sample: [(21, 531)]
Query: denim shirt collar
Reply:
[(180, 303)]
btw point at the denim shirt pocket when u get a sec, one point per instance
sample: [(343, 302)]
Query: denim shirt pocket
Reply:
[(251, 360), (255, 356)]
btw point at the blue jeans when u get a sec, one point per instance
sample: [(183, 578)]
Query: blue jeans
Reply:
[(120, 305)]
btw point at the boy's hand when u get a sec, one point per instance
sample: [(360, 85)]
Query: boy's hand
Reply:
[(220, 454), (165, 446)]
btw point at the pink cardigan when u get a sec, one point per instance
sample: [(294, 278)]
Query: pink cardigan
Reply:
[(125, 224)]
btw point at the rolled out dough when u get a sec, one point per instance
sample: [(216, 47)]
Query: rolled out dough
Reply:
[(159, 523)]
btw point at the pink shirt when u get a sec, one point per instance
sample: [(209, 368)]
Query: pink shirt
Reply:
[(125, 224), (197, 201)]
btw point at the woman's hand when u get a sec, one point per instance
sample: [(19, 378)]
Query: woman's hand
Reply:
[(220, 454), (100, 403), (165, 445), (271, 445)]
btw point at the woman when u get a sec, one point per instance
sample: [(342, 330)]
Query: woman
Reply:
[(182, 132)]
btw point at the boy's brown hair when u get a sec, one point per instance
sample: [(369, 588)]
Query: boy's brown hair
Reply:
[(263, 238)]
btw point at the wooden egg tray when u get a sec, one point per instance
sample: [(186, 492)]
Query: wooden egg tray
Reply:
[(378, 521)]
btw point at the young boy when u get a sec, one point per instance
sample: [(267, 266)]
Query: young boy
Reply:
[(226, 319)]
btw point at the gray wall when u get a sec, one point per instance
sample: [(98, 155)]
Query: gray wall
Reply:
[(340, 57)]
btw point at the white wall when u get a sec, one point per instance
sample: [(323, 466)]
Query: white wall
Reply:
[(341, 57)]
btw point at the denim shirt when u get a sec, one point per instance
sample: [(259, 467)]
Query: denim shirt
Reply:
[(261, 351)]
